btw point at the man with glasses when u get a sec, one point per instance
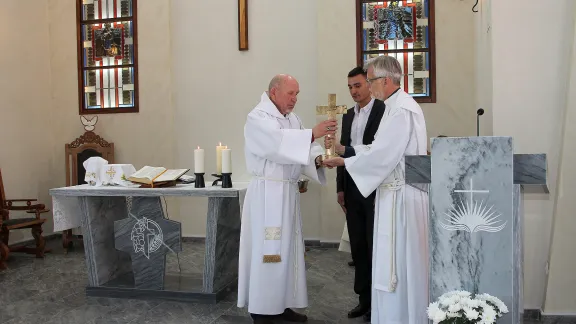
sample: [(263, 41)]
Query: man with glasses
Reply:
[(400, 259), (359, 125)]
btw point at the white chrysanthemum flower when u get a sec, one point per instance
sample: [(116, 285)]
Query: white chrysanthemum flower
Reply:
[(474, 303), (488, 315), (502, 308), (463, 293), (471, 314), (439, 317), (432, 310), (455, 308)]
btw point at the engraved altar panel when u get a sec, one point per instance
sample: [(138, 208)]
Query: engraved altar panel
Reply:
[(472, 219)]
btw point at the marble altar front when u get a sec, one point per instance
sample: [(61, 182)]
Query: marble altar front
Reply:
[(127, 237), (475, 229)]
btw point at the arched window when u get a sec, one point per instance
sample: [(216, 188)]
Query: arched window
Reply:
[(403, 29), (107, 56)]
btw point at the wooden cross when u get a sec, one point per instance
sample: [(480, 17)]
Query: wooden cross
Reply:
[(243, 25), (332, 110)]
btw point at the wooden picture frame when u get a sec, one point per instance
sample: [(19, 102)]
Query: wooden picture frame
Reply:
[(243, 25)]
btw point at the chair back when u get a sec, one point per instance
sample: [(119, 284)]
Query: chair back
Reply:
[(2, 193), (81, 149)]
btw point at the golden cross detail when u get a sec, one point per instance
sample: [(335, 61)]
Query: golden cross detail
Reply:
[(111, 172), (332, 110)]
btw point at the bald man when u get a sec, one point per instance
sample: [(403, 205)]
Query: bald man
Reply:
[(272, 274)]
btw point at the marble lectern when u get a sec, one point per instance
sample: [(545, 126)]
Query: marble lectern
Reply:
[(127, 237), (475, 234)]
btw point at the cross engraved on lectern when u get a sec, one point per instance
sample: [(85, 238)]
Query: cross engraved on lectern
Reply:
[(332, 110), (471, 216)]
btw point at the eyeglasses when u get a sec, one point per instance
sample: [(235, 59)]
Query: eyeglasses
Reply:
[(373, 79)]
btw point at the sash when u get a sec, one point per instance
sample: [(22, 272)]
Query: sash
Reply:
[(389, 219), (273, 212)]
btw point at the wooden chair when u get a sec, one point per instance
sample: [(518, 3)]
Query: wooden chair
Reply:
[(81, 149), (8, 224), (4, 251)]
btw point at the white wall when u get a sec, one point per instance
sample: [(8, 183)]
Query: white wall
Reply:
[(196, 87), (25, 136), (560, 297), (530, 56), (215, 85)]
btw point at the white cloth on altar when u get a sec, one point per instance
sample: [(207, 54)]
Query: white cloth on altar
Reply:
[(278, 151), (345, 240), (93, 167), (100, 173), (380, 166), (117, 175)]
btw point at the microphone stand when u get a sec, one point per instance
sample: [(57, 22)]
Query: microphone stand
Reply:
[(479, 113)]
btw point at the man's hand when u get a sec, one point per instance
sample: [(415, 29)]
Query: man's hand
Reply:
[(338, 149), (327, 127), (341, 200), (333, 162)]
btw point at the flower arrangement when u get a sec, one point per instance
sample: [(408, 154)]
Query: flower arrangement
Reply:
[(459, 307)]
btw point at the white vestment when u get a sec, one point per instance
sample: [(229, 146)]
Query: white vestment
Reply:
[(278, 151), (400, 251)]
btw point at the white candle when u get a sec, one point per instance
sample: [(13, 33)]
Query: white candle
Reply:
[(219, 149), (199, 160), (226, 160)]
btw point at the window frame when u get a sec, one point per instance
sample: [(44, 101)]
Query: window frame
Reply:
[(82, 104), (431, 98)]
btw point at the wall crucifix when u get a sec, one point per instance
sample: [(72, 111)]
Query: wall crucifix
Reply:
[(243, 25)]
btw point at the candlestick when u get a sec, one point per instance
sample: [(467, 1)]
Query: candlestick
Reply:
[(226, 180), (199, 160), (199, 182), (226, 160), (219, 149)]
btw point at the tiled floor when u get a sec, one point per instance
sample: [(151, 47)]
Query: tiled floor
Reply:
[(52, 291)]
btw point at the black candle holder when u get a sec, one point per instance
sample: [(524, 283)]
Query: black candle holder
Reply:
[(199, 181), (218, 179), (226, 180)]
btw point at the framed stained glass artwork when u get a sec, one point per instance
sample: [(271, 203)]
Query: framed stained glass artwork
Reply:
[(403, 29), (107, 56)]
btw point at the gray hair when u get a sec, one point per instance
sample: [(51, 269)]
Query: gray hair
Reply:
[(386, 67)]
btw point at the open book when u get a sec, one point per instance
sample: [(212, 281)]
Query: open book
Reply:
[(156, 175)]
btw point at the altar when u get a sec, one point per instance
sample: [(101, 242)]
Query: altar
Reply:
[(127, 237)]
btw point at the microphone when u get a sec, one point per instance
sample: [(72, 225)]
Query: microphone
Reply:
[(479, 113)]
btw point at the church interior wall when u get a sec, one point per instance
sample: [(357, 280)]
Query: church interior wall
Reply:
[(530, 72), (195, 90), (562, 281)]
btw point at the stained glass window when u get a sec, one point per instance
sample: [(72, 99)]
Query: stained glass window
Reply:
[(107, 56), (403, 29)]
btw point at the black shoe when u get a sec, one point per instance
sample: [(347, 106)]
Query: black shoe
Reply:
[(367, 317), (358, 311), (263, 320), (351, 263), (291, 316)]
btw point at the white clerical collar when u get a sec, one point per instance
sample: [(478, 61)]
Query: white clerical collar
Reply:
[(269, 107), (366, 109), (392, 97)]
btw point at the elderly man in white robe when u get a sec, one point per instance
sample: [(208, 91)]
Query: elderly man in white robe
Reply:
[(272, 274), (400, 253)]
